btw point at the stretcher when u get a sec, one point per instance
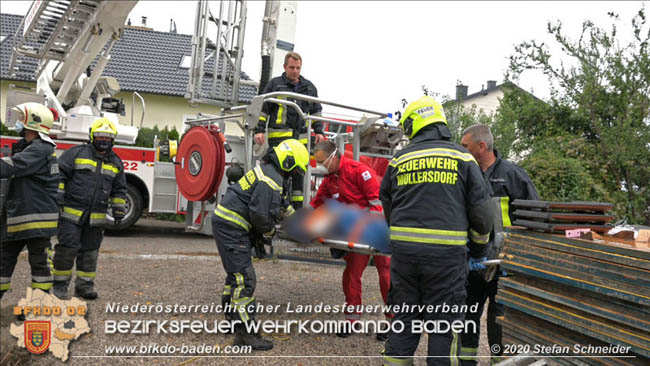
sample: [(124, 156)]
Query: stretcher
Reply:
[(368, 249)]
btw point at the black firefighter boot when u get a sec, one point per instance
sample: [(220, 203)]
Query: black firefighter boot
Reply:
[(252, 339), (85, 289), (60, 289)]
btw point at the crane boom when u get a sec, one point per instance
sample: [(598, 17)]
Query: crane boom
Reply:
[(66, 36)]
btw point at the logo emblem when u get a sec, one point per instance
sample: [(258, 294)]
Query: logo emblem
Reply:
[(195, 163), (37, 335)]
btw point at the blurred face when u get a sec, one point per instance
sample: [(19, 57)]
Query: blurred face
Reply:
[(30, 135), (476, 149), (330, 162), (292, 69)]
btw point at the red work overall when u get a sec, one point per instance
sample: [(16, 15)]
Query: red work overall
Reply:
[(356, 183)]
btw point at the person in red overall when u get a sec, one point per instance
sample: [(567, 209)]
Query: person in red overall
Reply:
[(351, 182)]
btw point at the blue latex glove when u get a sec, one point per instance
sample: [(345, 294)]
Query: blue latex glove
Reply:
[(475, 263)]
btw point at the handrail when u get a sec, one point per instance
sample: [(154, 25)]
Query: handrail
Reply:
[(308, 116), (321, 101), (212, 119), (132, 105)]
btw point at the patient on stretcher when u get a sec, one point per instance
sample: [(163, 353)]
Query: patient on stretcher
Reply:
[(335, 220)]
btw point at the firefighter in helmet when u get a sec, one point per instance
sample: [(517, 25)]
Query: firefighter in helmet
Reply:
[(92, 178), (437, 206), (249, 209), (30, 215)]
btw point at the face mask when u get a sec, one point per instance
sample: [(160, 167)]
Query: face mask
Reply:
[(20, 128), (320, 169), (102, 145)]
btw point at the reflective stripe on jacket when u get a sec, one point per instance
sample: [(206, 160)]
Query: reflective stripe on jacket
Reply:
[(281, 118), (31, 208), (508, 181), (254, 202), (90, 182), (435, 201)]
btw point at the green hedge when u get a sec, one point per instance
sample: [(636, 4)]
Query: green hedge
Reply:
[(145, 138), (5, 131)]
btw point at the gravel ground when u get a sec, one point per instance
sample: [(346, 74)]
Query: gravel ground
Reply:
[(156, 262)]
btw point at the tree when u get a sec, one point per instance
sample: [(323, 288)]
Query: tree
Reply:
[(559, 172), (459, 117), (600, 95)]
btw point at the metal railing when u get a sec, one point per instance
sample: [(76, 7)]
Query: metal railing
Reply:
[(254, 110)]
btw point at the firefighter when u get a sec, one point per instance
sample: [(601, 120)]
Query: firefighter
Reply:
[(31, 212), (436, 204), (284, 122), (92, 177), (508, 182), (251, 207), (352, 182)]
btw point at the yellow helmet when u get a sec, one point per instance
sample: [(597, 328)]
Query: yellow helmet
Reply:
[(103, 127), (292, 154), (36, 117), (422, 112)]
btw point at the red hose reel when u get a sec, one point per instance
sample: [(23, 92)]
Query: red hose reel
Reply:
[(200, 162)]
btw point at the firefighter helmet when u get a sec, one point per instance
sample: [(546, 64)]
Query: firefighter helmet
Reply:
[(422, 112), (36, 117), (292, 154), (102, 127)]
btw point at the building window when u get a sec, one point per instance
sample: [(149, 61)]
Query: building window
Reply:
[(186, 61)]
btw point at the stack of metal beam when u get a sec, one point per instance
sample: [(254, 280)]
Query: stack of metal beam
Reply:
[(560, 216), (587, 301)]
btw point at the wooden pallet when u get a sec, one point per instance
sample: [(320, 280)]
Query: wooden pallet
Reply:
[(569, 291)]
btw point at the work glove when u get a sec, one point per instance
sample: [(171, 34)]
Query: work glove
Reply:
[(259, 251), (475, 263), (118, 214), (259, 242), (268, 237), (338, 253), (287, 211)]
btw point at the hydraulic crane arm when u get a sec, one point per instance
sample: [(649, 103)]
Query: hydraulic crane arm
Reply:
[(66, 36)]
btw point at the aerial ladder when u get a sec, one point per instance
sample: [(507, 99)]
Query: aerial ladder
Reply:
[(65, 37)]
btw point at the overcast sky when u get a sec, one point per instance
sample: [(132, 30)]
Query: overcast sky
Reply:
[(373, 54)]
